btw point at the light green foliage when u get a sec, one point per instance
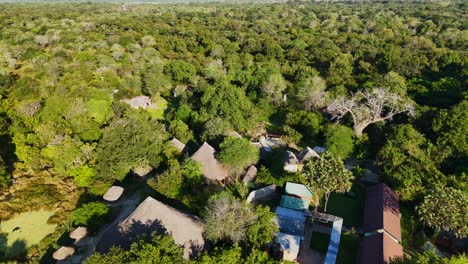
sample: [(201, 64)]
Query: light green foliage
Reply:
[(158, 249), (445, 209), (237, 153), (274, 87), (64, 155), (328, 174), (339, 140), (84, 175), (262, 231), (409, 162), (91, 215), (25, 230), (227, 218), (99, 110)]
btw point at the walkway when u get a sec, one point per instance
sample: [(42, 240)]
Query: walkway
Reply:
[(87, 246)]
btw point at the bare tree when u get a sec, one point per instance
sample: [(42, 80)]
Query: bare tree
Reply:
[(369, 107)]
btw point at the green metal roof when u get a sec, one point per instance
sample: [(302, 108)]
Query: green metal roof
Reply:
[(294, 203), (298, 190)]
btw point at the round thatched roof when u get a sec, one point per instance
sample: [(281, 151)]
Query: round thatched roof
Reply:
[(113, 194), (63, 253), (79, 233)]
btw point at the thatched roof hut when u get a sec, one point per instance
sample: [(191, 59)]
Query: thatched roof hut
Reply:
[(250, 175), (138, 101), (113, 194), (306, 154), (79, 233), (142, 171), (212, 169), (178, 145), (63, 253), (152, 215), (291, 163)]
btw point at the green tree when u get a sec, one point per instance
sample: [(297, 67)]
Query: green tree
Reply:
[(237, 153), (328, 174), (409, 162), (339, 140), (92, 215), (180, 71), (263, 230), (157, 249), (128, 142), (181, 131), (445, 209), (169, 183)]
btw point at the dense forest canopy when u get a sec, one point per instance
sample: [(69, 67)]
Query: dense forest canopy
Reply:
[(212, 69)]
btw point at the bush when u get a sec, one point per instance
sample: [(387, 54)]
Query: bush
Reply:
[(92, 215), (339, 140)]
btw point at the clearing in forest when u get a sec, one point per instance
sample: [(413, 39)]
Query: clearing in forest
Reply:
[(23, 231)]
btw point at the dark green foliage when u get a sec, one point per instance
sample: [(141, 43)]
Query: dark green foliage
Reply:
[(339, 140), (4, 175), (91, 215), (157, 249), (308, 124), (234, 255), (127, 143), (410, 162), (180, 71)]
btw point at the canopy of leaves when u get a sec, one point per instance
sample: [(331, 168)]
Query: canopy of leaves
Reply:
[(238, 153), (328, 174), (91, 215), (409, 162), (157, 249), (127, 143), (339, 140), (445, 209)]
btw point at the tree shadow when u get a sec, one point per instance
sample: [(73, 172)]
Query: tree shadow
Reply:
[(17, 251), (124, 236)]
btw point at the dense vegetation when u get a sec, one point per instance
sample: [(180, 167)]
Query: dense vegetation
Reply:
[(288, 69)]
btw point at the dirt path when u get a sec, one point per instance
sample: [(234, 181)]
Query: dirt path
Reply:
[(88, 245)]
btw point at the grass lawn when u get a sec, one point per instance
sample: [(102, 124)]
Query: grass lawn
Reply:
[(319, 242), (25, 230), (351, 209), (349, 246), (157, 112)]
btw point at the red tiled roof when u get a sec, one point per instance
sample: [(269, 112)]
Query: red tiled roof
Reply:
[(379, 249), (382, 211)]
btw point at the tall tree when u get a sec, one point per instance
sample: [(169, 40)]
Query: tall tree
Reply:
[(410, 162), (328, 174), (445, 209), (237, 153), (227, 218), (369, 107)]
